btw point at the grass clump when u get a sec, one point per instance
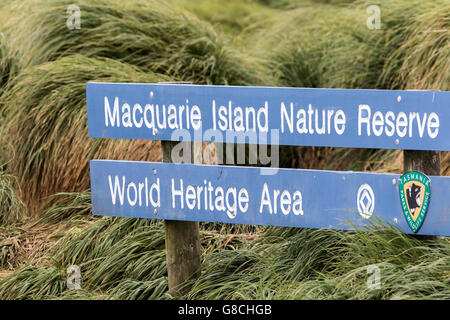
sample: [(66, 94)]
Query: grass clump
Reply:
[(121, 258), (316, 46), (10, 246), (65, 207), (286, 263), (4, 69), (124, 258), (113, 254), (44, 67), (291, 4), (12, 209), (255, 270), (233, 17), (114, 250), (419, 56), (46, 120), (327, 46)]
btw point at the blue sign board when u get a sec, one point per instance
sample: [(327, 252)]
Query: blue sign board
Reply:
[(381, 119), (258, 196)]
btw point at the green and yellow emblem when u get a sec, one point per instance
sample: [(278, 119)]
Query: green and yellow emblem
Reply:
[(414, 190)]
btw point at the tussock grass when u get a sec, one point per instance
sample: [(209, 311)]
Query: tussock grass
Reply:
[(118, 41), (123, 258), (328, 264), (234, 17), (138, 256), (96, 240), (150, 35), (109, 251), (46, 120), (409, 269), (291, 4), (4, 69), (78, 294), (331, 47), (112, 250), (278, 255), (21, 246), (322, 46), (141, 290), (65, 207), (341, 159), (12, 209), (420, 57), (223, 236)]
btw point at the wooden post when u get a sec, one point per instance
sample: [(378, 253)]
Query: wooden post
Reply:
[(427, 162), (182, 241)]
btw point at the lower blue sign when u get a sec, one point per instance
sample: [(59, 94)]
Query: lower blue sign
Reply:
[(258, 196)]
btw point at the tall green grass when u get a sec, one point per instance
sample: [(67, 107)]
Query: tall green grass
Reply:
[(328, 264), (109, 252), (123, 258), (12, 209), (234, 17), (418, 54), (291, 4), (120, 258), (46, 124), (37, 281), (4, 70), (331, 47), (66, 208), (118, 41), (315, 46), (323, 46)]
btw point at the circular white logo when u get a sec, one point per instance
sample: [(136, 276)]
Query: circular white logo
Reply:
[(365, 201)]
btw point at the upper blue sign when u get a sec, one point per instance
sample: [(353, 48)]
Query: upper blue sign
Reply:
[(381, 119)]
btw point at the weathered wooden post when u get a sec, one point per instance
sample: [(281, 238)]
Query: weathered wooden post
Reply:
[(182, 240), (427, 162)]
